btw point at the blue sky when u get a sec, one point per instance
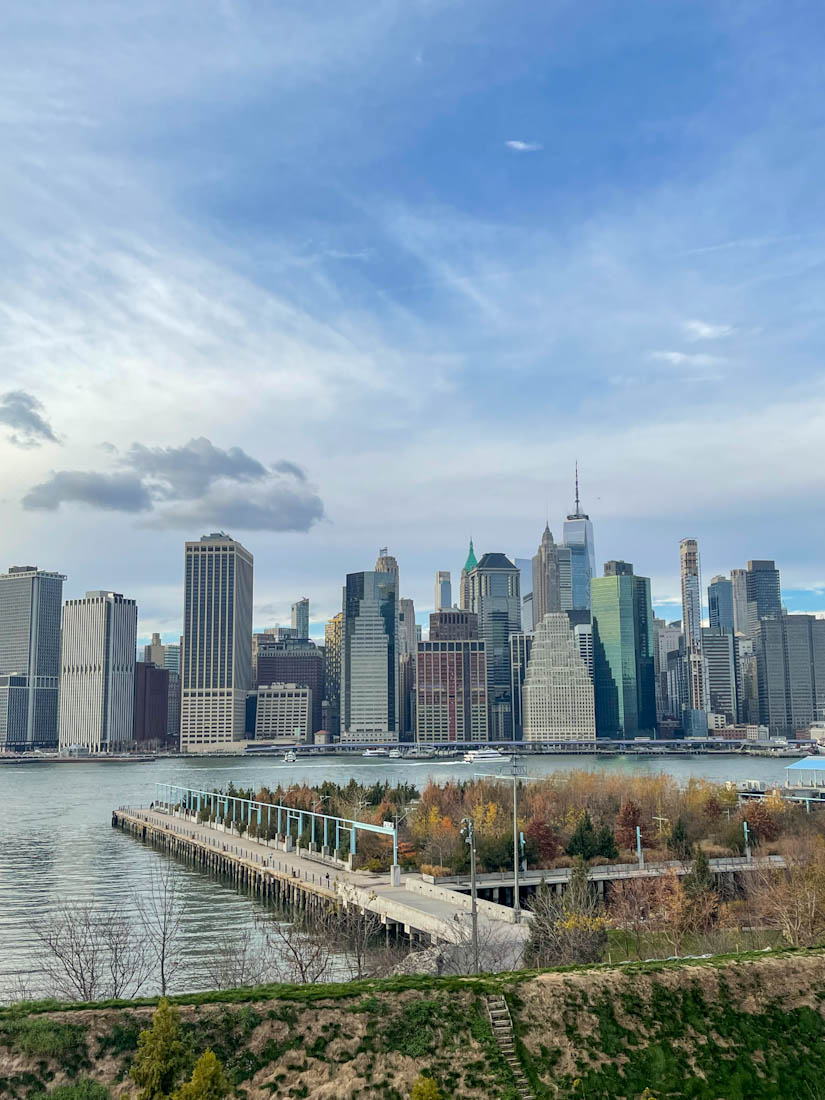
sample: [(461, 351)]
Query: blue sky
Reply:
[(401, 264)]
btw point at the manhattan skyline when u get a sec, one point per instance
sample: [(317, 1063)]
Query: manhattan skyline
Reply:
[(333, 279)]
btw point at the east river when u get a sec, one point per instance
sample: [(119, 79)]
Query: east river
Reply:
[(57, 844)]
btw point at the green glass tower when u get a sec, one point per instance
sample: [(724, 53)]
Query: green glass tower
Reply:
[(623, 653)]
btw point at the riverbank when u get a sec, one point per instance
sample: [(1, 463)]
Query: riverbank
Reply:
[(745, 1027)]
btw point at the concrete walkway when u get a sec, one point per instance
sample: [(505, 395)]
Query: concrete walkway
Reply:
[(437, 912)]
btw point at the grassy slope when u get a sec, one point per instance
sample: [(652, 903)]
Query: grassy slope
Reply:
[(733, 1027)]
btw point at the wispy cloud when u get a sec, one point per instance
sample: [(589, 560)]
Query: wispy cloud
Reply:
[(701, 330), (682, 358), (524, 146)]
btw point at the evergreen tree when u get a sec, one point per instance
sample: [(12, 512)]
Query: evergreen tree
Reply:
[(583, 841), (699, 878), (208, 1081), (606, 843), (678, 840), (161, 1055)]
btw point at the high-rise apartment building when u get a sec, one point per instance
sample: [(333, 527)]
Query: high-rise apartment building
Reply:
[(333, 633), (451, 691), (720, 604), (552, 577), (293, 661), (217, 642), (692, 622), (495, 596), (578, 538), (719, 654), (369, 657), (443, 591), (454, 625), (300, 618), (739, 593), (623, 674), (764, 594), (464, 584), (97, 679), (30, 602), (790, 658), (558, 700)]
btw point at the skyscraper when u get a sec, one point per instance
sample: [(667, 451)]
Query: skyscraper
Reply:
[(525, 568), (692, 622), (552, 577), (451, 691), (557, 694), (443, 591), (369, 657), (217, 642), (719, 654), (720, 604), (30, 601), (520, 644), (790, 658), (406, 627), (763, 589), (97, 680), (151, 706), (385, 562), (293, 661), (464, 599), (333, 633), (453, 625), (667, 638), (300, 618), (623, 652), (495, 596), (739, 594), (578, 537)]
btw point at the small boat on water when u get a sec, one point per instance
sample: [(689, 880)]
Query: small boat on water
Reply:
[(290, 757), (376, 752), (395, 754), (480, 756)]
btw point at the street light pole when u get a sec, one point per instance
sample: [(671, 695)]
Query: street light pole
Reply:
[(517, 771), (471, 840)]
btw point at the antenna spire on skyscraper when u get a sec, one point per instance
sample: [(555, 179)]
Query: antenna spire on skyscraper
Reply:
[(578, 508)]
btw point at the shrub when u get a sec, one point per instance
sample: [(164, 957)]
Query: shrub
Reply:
[(208, 1081), (162, 1055), (84, 1089), (425, 1088)]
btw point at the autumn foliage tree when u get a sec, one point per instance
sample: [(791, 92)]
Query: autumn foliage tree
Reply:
[(628, 820)]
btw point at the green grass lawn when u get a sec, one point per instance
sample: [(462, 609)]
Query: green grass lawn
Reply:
[(621, 945)]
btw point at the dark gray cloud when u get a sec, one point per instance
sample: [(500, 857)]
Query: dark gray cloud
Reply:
[(281, 506), (23, 413), (194, 486), (183, 473), (109, 492)]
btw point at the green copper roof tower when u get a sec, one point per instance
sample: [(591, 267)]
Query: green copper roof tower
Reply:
[(464, 583)]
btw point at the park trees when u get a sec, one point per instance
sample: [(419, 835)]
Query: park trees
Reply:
[(568, 927)]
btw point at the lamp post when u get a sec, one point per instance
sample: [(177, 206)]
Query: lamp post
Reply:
[(468, 829), (518, 770)]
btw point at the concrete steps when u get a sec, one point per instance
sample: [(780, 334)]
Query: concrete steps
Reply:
[(502, 1024)]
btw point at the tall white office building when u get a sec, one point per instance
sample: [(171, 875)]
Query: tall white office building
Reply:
[(97, 679), (370, 645), (30, 602), (217, 642), (557, 696)]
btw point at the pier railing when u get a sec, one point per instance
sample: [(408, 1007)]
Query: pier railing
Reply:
[(275, 818)]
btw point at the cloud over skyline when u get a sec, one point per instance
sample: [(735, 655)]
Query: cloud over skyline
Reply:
[(24, 414)]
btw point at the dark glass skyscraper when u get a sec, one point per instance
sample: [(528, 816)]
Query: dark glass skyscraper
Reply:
[(495, 596), (763, 592), (623, 652), (720, 604)]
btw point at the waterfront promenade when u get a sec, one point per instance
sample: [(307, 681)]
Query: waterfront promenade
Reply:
[(424, 912)]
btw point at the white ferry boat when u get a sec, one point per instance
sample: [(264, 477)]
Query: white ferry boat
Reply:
[(290, 757), (395, 754), (479, 756), (376, 752)]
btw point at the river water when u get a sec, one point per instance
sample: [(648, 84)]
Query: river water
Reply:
[(57, 843)]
